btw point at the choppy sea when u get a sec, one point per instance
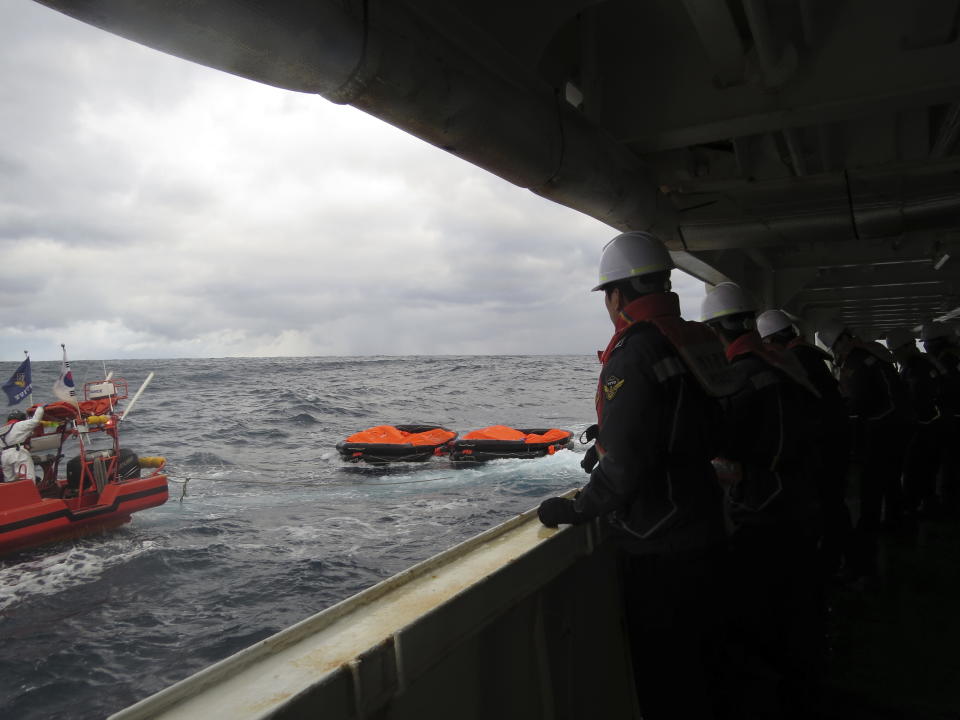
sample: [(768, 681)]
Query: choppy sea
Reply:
[(274, 527)]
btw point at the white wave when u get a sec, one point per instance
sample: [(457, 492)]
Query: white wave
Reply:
[(77, 565)]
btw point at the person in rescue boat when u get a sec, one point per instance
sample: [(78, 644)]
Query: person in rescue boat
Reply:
[(773, 505), (15, 457), (924, 379), (940, 343), (831, 434), (878, 408), (658, 428)]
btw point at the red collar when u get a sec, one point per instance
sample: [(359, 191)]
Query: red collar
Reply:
[(643, 308), (749, 342)]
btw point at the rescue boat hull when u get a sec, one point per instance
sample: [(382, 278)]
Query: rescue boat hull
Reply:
[(27, 519)]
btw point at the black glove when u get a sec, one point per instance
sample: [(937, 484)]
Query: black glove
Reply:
[(559, 511), (590, 433), (590, 459)]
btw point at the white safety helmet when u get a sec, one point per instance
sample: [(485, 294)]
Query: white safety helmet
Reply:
[(632, 254), (770, 322), (935, 330), (829, 332), (725, 299), (898, 337)]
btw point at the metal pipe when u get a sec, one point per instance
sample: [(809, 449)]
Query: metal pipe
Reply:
[(795, 147), (777, 63), (143, 387), (948, 133)]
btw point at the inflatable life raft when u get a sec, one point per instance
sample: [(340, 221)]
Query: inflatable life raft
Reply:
[(396, 443), (500, 441)]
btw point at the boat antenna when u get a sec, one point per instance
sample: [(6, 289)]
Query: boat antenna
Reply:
[(143, 387)]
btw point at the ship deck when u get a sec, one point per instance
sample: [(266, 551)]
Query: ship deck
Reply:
[(895, 640)]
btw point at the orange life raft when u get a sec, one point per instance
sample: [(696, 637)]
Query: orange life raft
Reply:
[(500, 441), (396, 443)]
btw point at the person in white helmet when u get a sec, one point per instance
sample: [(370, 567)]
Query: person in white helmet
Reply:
[(658, 428), (774, 506), (877, 405), (831, 434), (768, 421), (924, 379), (15, 443), (940, 342)]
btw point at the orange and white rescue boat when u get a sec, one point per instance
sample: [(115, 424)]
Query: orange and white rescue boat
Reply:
[(101, 486)]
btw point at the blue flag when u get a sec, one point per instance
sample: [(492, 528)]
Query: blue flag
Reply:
[(20, 384)]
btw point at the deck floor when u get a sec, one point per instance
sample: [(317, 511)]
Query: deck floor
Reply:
[(895, 640)]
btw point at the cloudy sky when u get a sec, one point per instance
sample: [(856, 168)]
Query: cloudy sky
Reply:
[(150, 207)]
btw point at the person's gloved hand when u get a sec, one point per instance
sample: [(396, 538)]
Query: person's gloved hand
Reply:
[(590, 433), (558, 511), (590, 459)]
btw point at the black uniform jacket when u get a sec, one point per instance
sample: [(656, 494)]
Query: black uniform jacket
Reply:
[(872, 387), (949, 363), (658, 431), (925, 383), (769, 428), (831, 411)]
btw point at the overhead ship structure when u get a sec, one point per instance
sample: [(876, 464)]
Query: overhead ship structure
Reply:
[(806, 149)]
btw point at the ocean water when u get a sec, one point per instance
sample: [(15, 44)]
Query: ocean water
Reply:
[(274, 527)]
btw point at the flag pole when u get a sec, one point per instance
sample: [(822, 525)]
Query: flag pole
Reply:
[(66, 372), (106, 379), (30, 397), (65, 389)]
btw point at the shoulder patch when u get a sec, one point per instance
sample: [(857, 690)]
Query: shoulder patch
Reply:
[(612, 386)]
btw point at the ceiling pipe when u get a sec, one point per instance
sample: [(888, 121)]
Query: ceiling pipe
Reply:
[(777, 61), (948, 133), (795, 147)]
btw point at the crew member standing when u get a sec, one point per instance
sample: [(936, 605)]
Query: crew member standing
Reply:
[(877, 406), (14, 439), (924, 381), (940, 343), (831, 434), (774, 505), (658, 429)]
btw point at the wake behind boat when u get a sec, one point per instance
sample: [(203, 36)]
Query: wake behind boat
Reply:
[(101, 486)]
